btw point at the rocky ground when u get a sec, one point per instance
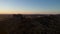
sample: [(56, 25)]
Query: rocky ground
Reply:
[(21, 25)]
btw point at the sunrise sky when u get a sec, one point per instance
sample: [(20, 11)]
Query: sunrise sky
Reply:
[(30, 6)]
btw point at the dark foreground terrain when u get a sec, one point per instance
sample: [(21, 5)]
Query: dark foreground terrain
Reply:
[(30, 24)]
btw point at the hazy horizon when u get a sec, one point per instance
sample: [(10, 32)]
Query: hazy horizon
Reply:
[(29, 6)]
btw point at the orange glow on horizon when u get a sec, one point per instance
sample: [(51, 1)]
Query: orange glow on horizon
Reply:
[(25, 12)]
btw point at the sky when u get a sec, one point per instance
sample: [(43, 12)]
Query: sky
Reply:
[(30, 6)]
